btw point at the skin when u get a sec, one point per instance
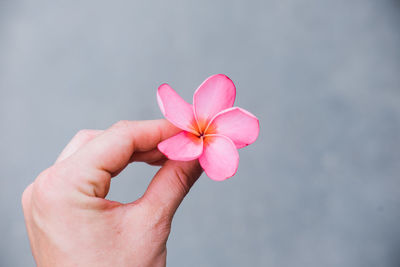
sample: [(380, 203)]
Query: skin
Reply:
[(69, 221)]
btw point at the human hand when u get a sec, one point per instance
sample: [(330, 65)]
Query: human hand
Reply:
[(68, 219)]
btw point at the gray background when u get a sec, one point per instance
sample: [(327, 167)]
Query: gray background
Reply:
[(320, 187)]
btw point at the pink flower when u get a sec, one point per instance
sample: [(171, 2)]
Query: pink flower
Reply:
[(212, 130)]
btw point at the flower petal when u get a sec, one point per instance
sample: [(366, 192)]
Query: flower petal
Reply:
[(220, 158), (175, 109), (184, 146), (238, 124), (214, 95)]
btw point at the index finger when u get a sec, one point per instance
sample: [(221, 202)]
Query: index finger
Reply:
[(112, 150)]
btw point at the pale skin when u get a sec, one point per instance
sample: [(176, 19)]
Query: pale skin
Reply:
[(69, 221)]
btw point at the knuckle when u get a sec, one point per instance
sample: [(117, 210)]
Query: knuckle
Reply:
[(43, 188), (182, 178), (122, 124), (40, 185), (84, 133)]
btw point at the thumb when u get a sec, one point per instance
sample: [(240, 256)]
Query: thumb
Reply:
[(171, 184)]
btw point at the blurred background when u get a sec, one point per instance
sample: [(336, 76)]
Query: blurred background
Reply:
[(321, 185)]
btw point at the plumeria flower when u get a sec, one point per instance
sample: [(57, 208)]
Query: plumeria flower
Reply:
[(212, 129)]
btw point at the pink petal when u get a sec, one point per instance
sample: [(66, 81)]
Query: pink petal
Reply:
[(213, 95), (184, 146), (220, 158), (239, 125), (175, 109)]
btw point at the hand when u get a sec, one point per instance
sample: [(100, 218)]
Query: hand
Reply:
[(68, 219)]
